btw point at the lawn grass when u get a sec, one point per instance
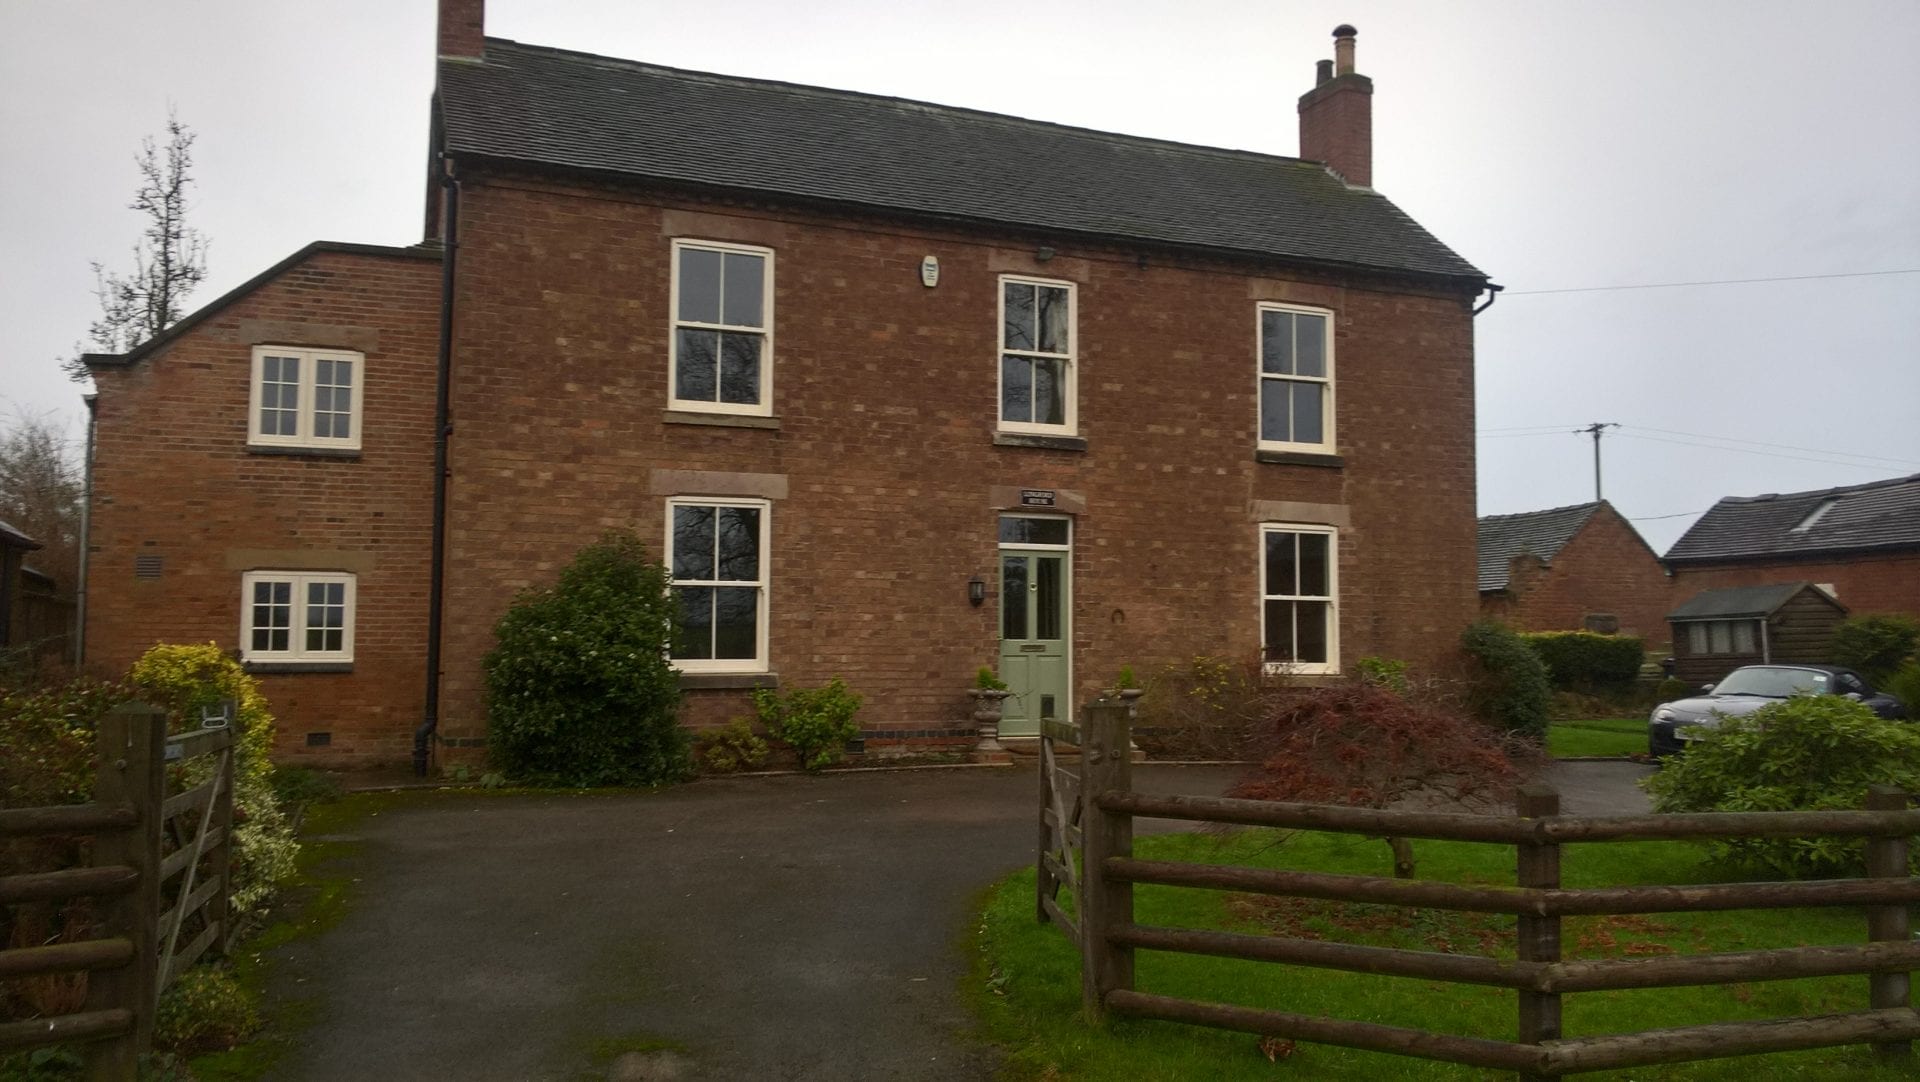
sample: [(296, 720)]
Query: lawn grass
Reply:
[(1026, 985), (1598, 736)]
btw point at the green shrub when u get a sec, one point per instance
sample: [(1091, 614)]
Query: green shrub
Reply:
[(987, 680), (186, 678), (815, 722), (730, 748), (47, 741), (1507, 684), (1585, 661), (1905, 686), (1876, 645), (1672, 688), (1384, 673), (579, 691), (1808, 753), (205, 1010)]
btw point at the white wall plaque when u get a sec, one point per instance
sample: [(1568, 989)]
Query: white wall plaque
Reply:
[(930, 271)]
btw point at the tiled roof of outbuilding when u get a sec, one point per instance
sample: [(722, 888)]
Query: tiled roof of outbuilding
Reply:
[(555, 108), (1742, 601), (1539, 533), (1876, 515), (14, 539)]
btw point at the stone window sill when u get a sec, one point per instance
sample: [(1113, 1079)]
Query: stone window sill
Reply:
[(1300, 458), (722, 681), (297, 666), (304, 452), (719, 420), (1047, 443)]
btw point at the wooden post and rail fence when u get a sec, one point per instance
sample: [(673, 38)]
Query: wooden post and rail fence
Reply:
[(159, 867), (1086, 847)]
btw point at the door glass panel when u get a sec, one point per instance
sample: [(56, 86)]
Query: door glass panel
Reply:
[(1047, 606), (1015, 530), (1013, 597)]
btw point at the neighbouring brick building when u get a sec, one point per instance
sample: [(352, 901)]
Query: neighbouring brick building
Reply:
[(900, 389), (1861, 543), (1574, 568)]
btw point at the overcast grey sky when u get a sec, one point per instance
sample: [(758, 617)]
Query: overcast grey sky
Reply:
[(1557, 145)]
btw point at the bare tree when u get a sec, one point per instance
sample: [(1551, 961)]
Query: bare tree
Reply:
[(169, 260), (40, 493)]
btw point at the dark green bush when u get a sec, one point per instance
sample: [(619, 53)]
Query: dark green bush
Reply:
[(1876, 645), (1507, 685), (579, 691), (205, 1010), (1905, 686), (1584, 661), (815, 722), (1811, 752)]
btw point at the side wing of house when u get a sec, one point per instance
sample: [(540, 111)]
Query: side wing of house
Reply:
[(261, 481)]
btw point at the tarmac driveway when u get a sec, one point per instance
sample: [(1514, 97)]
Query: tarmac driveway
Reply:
[(765, 928)]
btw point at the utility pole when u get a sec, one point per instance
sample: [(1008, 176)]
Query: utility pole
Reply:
[(1596, 428)]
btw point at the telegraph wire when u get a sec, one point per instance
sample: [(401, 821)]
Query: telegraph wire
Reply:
[(1709, 282), (1750, 451)]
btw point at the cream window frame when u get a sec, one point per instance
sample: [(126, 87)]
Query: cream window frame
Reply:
[(297, 626), (1332, 664), (1261, 377), (761, 408), (759, 662), (303, 435), (1070, 414)]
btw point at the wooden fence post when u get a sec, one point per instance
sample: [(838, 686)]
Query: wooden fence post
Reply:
[(1106, 765), (1887, 858), (219, 908), (1539, 937), (1043, 886), (132, 743)]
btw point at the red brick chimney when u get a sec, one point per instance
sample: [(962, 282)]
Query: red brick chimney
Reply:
[(463, 28), (1336, 116)]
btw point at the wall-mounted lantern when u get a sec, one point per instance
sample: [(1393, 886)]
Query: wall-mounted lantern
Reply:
[(977, 591)]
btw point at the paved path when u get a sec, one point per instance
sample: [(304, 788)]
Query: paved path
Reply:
[(774, 928)]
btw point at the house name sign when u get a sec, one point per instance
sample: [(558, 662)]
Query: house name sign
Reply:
[(1036, 497)]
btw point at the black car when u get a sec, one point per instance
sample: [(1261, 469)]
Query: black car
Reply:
[(1751, 687)]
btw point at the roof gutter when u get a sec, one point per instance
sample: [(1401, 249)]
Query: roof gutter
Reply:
[(1493, 294), (442, 431)]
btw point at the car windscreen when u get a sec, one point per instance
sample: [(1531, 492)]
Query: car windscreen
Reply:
[(1775, 683)]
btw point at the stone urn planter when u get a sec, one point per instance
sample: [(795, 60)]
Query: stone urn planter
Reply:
[(988, 704)]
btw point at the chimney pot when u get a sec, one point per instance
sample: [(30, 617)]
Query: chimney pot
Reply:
[(1323, 70), (1343, 36)]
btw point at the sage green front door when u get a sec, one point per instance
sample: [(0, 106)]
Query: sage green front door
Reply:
[(1035, 612)]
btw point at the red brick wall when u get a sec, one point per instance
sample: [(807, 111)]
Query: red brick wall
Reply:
[(885, 394), (1605, 568), (173, 478), (1864, 584)]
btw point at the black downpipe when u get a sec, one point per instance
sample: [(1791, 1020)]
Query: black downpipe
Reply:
[(1493, 294), (442, 430)]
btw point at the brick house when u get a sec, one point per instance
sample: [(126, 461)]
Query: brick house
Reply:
[(1860, 543), (902, 390), (1582, 567)]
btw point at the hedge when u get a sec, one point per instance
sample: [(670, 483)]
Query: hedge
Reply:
[(1585, 661)]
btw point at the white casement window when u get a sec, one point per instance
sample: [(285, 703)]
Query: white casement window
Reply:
[(717, 550), (1296, 379), (306, 398), (1299, 598), (1723, 637), (1037, 370), (296, 616), (722, 328)]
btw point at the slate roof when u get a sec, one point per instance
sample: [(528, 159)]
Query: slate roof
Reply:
[(1541, 533), (555, 108), (1742, 601), (14, 539), (1874, 516)]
